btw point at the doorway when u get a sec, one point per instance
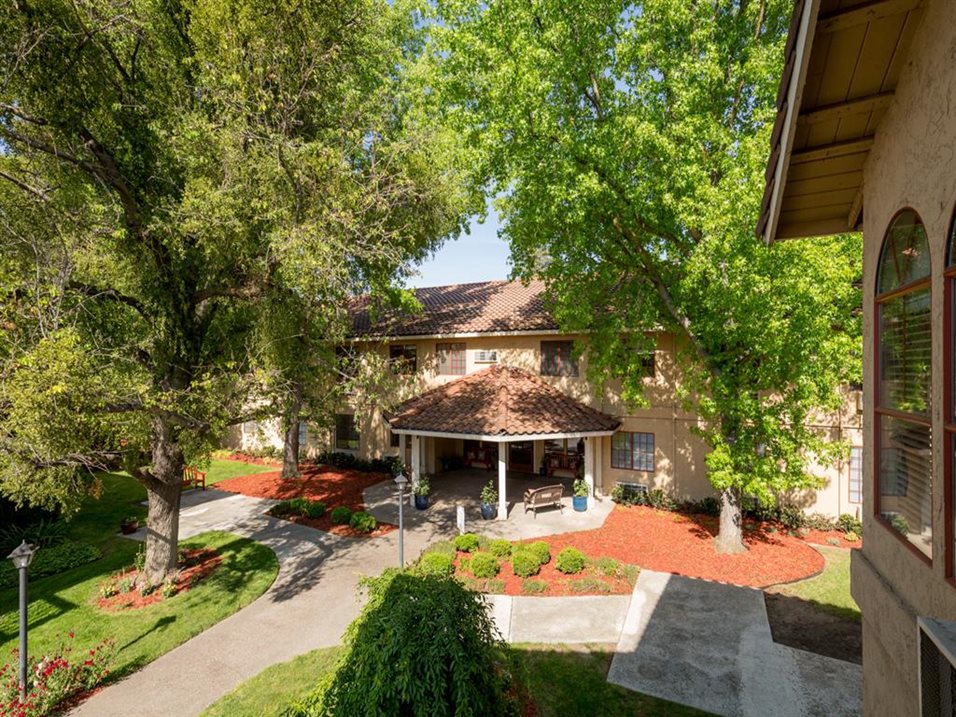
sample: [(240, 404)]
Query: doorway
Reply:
[(521, 456)]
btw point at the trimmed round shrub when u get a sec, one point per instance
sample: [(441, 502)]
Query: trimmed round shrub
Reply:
[(466, 542), (484, 565), (570, 561), (307, 508), (541, 550), (363, 522), (341, 515), (524, 563), (437, 644), (500, 547), (435, 564), (607, 566)]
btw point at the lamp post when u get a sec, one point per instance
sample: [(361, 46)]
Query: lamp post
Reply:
[(401, 481), (21, 559)]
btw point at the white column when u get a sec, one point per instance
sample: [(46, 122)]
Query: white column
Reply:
[(589, 468), (416, 459), (502, 482)]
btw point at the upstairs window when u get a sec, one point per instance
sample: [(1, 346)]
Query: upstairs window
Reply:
[(649, 364), (557, 358), (904, 466), (403, 358), (486, 356), (451, 359)]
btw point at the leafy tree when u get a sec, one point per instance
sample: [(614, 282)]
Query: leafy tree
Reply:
[(172, 177), (626, 144), (423, 645)]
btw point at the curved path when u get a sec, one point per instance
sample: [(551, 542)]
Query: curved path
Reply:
[(311, 602)]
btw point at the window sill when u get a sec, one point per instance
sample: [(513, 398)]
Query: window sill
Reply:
[(901, 538)]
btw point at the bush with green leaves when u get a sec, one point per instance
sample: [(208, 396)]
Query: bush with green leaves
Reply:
[(484, 565), (363, 522), (819, 521), (304, 507), (436, 643), (524, 563), (51, 561), (43, 533), (466, 542), (499, 547), (444, 547), (659, 500), (541, 550), (607, 566), (848, 524), (341, 515), (570, 561), (339, 459), (435, 564)]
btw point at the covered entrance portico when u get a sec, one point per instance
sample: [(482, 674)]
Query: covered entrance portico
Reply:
[(496, 418)]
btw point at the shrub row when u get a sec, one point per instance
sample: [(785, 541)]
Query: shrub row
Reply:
[(50, 561), (299, 506), (389, 465), (358, 520), (43, 533)]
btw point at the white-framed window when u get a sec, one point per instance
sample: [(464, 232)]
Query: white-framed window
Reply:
[(486, 356), (451, 359), (856, 474), (633, 451)]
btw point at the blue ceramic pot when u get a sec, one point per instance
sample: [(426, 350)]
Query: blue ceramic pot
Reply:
[(488, 511), (421, 502), (580, 503)]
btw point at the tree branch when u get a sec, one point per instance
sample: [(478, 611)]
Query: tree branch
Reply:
[(108, 293)]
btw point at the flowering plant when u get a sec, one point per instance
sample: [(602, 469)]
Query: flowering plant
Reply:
[(52, 679)]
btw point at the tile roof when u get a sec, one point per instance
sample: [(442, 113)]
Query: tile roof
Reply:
[(484, 307), (499, 401)]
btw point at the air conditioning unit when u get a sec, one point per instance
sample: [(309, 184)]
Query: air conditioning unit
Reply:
[(937, 667)]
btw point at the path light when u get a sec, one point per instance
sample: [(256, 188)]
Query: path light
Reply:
[(21, 559), (401, 481)]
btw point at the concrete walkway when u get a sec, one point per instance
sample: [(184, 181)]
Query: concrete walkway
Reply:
[(560, 620), (709, 645)]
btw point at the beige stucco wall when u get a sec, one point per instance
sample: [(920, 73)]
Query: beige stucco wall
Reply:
[(912, 164), (679, 465)]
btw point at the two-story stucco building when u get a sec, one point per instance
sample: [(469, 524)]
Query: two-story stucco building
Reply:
[(495, 384)]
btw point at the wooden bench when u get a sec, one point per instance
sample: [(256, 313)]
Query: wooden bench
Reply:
[(549, 495), (193, 477)]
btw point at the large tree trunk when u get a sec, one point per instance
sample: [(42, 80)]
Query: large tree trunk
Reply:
[(730, 536), (163, 491), (290, 446)]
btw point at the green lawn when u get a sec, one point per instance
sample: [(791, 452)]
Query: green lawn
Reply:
[(64, 602), (830, 590), (221, 468), (565, 681)]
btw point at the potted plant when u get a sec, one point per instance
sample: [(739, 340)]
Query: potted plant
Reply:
[(489, 501), (581, 493), (421, 491), (129, 525)]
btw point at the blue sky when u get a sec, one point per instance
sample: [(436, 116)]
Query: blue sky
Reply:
[(477, 256)]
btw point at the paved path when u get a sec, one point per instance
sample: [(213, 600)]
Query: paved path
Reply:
[(709, 645), (310, 604), (560, 620)]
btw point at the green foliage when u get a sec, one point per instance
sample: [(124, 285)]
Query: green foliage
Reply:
[(851, 536), (607, 566), (540, 549), (43, 533), (435, 642), (483, 565), (626, 148), (581, 489), (533, 587), (819, 521), (435, 564), (363, 522), (899, 523), (570, 561), (341, 515), (304, 507), (524, 563), (489, 494), (424, 486), (848, 524), (338, 459), (466, 542), (500, 547), (589, 585), (442, 547), (51, 561)]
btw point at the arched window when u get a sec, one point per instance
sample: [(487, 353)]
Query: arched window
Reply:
[(949, 388), (904, 466)]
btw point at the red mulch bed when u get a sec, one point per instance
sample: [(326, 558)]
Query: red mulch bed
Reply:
[(683, 545), (254, 460), (824, 537), (197, 565), (333, 486), (559, 584)]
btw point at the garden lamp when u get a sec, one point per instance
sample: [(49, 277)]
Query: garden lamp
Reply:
[(401, 481), (21, 559)]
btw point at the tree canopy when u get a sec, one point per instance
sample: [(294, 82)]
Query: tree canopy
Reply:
[(173, 175), (626, 145)]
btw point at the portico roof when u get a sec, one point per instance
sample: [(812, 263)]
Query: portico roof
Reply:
[(499, 403)]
